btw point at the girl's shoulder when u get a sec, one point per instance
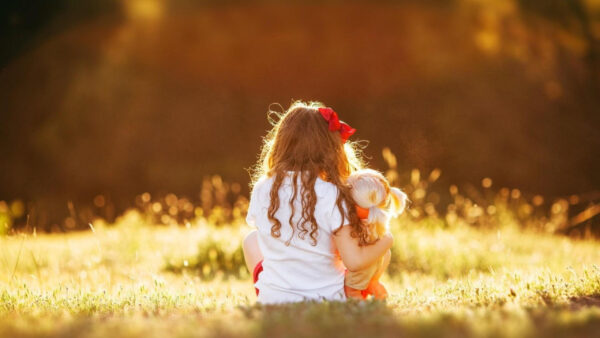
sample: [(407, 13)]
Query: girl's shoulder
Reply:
[(327, 194), (322, 188), (325, 188), (264, 183)]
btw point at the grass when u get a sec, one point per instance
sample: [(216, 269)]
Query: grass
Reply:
[(134, 280)]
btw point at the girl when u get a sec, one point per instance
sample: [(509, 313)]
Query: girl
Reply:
[(308, 231)]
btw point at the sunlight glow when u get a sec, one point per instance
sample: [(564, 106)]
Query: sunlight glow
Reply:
[(144, 10)]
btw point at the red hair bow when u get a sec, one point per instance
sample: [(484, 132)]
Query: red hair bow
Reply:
[(335, 124)]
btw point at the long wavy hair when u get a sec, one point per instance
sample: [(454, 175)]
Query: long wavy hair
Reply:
[(300, 144)]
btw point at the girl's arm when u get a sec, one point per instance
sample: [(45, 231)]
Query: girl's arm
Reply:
[(357, 257)]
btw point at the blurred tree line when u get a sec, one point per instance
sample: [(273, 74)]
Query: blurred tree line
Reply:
[(122, 97)]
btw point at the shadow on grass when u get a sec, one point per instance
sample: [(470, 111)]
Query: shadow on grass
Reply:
[(343, 319), (581, 302), (580, 318)]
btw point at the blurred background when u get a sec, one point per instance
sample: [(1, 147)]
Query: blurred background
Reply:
[(105, 103)]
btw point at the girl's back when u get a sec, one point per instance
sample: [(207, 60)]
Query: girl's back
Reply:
[(292, 254), (294, 267)]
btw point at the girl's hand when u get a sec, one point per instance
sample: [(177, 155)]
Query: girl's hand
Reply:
[(356, 257)]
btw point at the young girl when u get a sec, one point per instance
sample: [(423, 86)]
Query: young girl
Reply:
[(308, 232)]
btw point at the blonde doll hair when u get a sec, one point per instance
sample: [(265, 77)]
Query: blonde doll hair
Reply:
[(371, 190)]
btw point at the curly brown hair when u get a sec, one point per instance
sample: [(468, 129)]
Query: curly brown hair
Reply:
[(301, 142)]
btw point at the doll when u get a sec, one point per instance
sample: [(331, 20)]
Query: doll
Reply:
[(376, 203)]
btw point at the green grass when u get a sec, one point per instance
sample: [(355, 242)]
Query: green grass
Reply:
[(134, 280)]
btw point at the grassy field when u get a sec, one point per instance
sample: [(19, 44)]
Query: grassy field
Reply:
[(134, 280)]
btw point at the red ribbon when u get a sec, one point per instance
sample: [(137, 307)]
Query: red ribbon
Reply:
[(335, 124)]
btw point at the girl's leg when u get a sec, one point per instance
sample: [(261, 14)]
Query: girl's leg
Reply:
[(252, 253)]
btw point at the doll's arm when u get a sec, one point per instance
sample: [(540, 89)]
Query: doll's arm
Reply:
[(356, 257)]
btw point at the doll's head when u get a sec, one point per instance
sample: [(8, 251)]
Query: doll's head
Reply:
[(371, 190)]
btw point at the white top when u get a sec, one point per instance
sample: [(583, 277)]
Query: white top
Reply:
[(298, 271)]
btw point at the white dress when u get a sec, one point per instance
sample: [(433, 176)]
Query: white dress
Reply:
[(298, 271)]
